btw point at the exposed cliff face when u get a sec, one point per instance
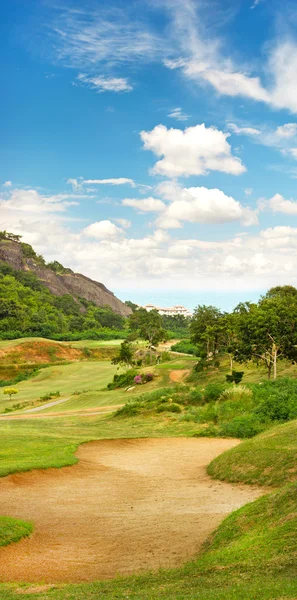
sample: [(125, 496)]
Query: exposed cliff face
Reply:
[(75, 284)]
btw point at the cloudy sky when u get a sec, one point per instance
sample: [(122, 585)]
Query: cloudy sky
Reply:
[(152, 144)]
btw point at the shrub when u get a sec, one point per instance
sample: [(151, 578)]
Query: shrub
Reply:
[(186, 347), (194, 397), (213, 391), (130, 409), (169, 407), (123, 380), (239, 392), (245, 426), (236, 377), (138, 379)]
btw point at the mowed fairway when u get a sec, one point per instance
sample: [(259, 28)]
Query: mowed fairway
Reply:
[(127, 506), (67, 379)]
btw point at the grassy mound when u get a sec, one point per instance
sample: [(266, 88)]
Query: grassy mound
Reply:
[(268, 459), (12, 530)]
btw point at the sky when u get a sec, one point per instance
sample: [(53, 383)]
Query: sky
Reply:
[(152, 144)]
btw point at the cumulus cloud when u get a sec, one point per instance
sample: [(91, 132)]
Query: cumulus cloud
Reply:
[(7, 184), (103, 230), (102, 250), (279, 204), (123, 223), (145, 205), (201, 205), (193, 151), (105, 84)]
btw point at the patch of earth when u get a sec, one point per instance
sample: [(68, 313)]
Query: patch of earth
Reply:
[(128, 506), (179, 375)]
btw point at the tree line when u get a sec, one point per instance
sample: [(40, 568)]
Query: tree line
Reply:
[(263, 332)]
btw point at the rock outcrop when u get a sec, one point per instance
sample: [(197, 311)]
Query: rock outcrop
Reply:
[(75, 284)]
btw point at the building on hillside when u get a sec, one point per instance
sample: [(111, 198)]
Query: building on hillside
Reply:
[(170, 311)]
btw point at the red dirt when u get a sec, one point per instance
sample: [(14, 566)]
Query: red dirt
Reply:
[(39, 352), (127, 506), (179, 375)]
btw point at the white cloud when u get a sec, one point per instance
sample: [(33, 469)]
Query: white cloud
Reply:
[(248, 191), (7, 184), (178, 114), (279, 204), (105, 84), (256, 3), (123, 223), (31, 201), (145, 205), (287, 131), (113, 181), (103, 230), (103, 36), (75, 184), (243, 130), (201, 205), (194, 151)]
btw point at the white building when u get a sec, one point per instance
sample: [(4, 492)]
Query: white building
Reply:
[(170, 311)]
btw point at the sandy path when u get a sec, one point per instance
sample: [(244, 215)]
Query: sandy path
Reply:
[(128, 505)]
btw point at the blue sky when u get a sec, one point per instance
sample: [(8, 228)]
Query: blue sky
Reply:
[(152, 145)]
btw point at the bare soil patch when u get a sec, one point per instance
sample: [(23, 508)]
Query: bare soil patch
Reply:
[(127, 506), (178, 375)]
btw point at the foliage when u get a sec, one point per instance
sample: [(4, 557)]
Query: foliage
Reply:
[(245, 426), (239, 392), (149, 326), (169, 407), (235, 377), (9, 391), (213, 391), (206, 331), (123, 380), (186, 347), (27, 308), (125, 355)]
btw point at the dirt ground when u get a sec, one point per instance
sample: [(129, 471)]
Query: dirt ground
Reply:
[(178, 375), (127, 506)]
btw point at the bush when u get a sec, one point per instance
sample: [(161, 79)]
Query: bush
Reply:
[(245, 426), (213, 391), (169, 407), (239, 392), (131, 409), (186, 347), (236, 377), (123, 380), (194, 397)]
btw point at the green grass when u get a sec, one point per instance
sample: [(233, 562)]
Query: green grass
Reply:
[(13, 530), (93, 375), (268, 459), (252, 556)]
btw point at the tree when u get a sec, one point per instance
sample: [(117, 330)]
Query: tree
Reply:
[(10, 392), (206, 328), (125, 355), (131, 305), (267, 331), (149, 326)]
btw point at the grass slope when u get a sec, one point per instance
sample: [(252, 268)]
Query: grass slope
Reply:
[(268, 459), (12, 530)]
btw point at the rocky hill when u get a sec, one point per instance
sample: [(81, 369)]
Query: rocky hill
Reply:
[(56, 278)]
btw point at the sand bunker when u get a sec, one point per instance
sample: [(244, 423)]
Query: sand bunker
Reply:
[(129, 505)]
